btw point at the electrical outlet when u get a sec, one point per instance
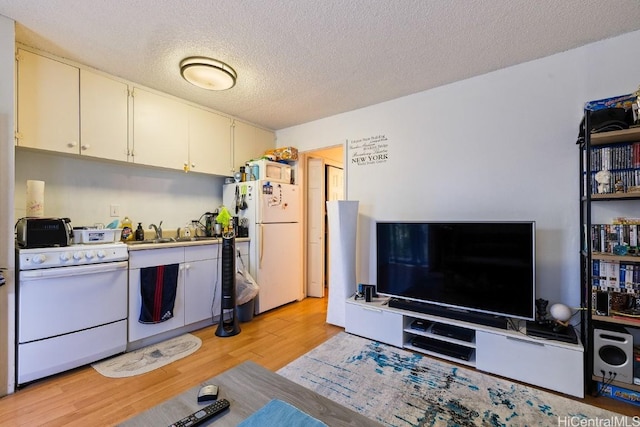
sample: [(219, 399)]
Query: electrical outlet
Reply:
[(114, 210)]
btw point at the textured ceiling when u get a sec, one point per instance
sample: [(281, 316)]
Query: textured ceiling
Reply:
[(301, 60)]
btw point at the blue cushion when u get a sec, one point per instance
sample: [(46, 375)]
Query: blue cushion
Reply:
[(279, 413)]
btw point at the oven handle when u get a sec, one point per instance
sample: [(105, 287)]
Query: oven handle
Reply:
[(76, 270)]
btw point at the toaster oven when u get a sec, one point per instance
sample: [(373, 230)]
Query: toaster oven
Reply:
[(43, 232)]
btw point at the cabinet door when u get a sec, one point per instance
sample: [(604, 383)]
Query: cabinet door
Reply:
[(532, 361), (209, 142), (137, 330), (48, 104), (160, 130), (249, 142), (200, 280), (374, 323), (103, 117)]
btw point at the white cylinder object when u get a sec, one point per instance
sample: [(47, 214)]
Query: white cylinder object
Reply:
[(343, 221), (35, 198)]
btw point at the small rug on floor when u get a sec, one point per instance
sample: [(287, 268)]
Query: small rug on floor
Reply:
[(399, 388), (148, 358)]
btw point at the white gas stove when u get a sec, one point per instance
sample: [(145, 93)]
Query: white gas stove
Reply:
[(72, 307)]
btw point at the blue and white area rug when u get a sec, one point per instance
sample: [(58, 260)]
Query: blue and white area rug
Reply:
[(399, 388)]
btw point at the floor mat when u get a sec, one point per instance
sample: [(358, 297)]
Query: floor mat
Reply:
[(148, 358)]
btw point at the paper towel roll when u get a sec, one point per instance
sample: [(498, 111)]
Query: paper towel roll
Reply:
[(35, 198)]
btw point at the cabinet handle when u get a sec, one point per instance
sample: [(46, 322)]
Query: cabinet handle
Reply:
[(541, 344), (85, 146), (72, 144), (375, 310)]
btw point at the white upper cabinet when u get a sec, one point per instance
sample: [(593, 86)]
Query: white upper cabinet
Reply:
[(250, 142), (160, 130), (73, 110), (103, 117), (209, 142), (48, 104)]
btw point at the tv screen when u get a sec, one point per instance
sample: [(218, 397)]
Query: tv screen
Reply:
[(486, 267)]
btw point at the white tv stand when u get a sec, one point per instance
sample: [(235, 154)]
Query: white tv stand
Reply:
[(509, 353)]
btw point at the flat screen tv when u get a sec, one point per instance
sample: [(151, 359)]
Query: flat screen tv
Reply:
[(481, 267)]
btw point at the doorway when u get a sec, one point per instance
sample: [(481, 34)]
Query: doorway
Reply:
[(324, 181)]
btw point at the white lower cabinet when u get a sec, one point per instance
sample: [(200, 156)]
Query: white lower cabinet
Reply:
[(374, 323), (199, 286), (545, 363), (200, 280), (153, 258)]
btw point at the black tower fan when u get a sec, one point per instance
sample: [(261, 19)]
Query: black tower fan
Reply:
[(228, 327)]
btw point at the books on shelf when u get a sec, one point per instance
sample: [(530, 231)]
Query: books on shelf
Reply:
[(618, 156), (615, 239), (615, 276), (622, 160)]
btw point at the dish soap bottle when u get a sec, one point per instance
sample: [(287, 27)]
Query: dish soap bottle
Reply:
[(139, 232), (127, 231)]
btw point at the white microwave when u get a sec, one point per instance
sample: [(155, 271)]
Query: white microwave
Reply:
[(272, 171)]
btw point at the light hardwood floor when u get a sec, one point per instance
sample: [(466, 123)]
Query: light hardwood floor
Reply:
[(273, 339)]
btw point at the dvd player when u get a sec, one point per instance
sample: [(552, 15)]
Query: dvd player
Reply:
[(443, 347), (552, 332), (454, 332)]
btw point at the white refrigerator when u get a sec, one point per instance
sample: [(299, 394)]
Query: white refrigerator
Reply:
[(272, 213)]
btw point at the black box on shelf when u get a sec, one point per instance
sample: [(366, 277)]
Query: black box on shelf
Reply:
[(454, 332), (420, 325)]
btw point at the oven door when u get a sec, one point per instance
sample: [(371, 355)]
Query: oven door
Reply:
[(59, 301), (70, 316)]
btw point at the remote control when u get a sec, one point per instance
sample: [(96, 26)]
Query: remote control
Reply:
[(203, 414)]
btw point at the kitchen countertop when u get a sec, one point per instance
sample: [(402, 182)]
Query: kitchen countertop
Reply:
[(134, 246)]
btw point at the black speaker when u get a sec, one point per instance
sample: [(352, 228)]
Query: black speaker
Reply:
[(613, 354), (228, 325), (602, 303)]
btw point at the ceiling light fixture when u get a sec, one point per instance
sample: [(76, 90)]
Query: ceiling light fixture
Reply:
[(208, 73)]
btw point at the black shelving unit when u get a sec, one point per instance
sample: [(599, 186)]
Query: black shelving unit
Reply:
[(588, 198)]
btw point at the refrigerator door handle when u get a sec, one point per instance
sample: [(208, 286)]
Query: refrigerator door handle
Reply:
[(261, 244)]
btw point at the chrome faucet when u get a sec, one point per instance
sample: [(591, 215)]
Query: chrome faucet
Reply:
[(157, 229)]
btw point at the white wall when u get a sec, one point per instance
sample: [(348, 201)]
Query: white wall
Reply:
[(83, 190), (7, 292), (500, 146)]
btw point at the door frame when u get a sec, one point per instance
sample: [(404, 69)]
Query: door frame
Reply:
[(302, 179)]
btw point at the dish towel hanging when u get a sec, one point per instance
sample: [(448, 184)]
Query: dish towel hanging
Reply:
[(158, 287)]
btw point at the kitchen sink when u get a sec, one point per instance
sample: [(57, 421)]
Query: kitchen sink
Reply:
[(195, 239), (150, 241), (171, 240)]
